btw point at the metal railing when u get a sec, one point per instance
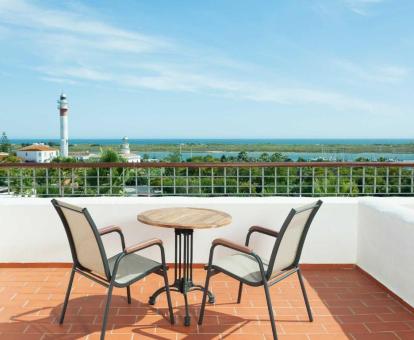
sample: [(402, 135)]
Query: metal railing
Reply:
[(208, 179)]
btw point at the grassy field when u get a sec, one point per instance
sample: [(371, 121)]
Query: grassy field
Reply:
[(270, 148)]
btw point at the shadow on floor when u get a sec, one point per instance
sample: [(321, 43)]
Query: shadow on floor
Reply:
[(84, 317)]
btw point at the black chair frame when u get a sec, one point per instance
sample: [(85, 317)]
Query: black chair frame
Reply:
[(109, 280), (267, 280)]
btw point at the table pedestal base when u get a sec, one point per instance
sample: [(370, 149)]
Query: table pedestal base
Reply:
[(177, 287), (183, 271)]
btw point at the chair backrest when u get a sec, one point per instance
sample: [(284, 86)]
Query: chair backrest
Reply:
[(289, 243), (86, 246)]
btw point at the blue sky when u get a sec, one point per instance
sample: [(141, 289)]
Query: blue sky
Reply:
[(208, 69)]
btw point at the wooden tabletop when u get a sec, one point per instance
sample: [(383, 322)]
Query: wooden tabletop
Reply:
[(185, 218)]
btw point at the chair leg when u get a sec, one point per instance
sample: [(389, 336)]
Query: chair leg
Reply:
[(128, 289), (203, 303), (305, 296), (105, 317), (270, 309), (239, 296), (65, 303), (168, 293)]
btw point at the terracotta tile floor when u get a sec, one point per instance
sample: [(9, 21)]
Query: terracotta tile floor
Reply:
[(346, 305)]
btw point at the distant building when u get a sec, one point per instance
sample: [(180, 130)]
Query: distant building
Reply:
[(38, 153), (83, 156), (126, 152)]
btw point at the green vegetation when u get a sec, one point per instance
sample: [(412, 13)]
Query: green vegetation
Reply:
[(211, 181), (5, 145), (110, 156), (10, 159), (272, 148), (265, 148), (64, 160)]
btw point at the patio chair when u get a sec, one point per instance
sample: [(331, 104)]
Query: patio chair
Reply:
[(249, 268), (90, 260)]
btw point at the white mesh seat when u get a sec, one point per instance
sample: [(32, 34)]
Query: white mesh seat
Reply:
[(132, 267), (241, 265)]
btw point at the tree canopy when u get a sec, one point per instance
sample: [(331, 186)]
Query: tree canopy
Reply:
[(5, 145)]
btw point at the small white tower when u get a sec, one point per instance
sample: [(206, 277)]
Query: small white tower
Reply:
[(64, 135), (125, 147)]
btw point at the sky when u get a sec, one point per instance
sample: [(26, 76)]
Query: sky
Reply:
[(208, 69)]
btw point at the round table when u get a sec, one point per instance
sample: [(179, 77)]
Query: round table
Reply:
[(184, 221)]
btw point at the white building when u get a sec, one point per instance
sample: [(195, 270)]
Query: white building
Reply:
[(84, 156), (38, 153), (126, 152)]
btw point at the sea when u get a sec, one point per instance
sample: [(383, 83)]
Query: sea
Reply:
[(186, 144)]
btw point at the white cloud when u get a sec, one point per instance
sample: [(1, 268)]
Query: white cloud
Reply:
[(178, 81), (60, 80), (391, 74), (73, 27), (361, 7), (73, 48), (80, 73)]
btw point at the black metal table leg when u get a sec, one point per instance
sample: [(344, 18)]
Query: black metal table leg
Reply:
[(187, 318), (153, 298), (211, 298), (183, 271)]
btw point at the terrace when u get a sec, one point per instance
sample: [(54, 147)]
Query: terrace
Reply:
[(357, 259)]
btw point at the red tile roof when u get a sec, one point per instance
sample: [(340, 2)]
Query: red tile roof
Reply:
[(38, 147)]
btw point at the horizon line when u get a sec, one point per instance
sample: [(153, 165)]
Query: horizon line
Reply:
[(216, 138)]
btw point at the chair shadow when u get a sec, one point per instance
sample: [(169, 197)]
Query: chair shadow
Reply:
[(208, 330), (80, 323)]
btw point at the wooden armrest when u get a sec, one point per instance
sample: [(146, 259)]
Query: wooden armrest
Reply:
[(110, 229), (143, 245), (232, 245), (263, 230)]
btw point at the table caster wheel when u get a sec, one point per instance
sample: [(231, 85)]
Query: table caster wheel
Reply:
[(211, 299), (151, 301), (187, 321)]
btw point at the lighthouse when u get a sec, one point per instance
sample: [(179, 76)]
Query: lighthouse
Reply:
[(125, 151), (64, 135)]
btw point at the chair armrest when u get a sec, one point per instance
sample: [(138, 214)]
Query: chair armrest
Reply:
[(143, 245), (113, 229), (263, 230), (110, 229), (232, 245)]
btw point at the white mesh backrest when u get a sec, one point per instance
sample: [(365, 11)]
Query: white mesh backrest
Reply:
[(289, 243), (86, 247)]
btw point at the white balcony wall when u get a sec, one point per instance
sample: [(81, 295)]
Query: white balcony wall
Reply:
[(32, 231), (386, 244)]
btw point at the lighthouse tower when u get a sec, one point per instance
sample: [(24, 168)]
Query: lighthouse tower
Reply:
[(64, 136), (125, 151)]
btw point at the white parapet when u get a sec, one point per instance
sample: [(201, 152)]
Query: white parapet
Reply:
[(386, 243), (332, 237)]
